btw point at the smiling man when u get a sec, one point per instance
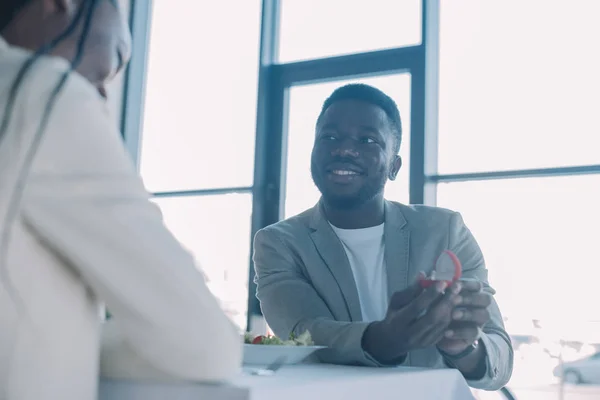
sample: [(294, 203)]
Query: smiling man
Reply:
[(346, 269)]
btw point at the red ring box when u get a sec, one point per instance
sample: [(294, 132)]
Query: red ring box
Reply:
[(447, 268)]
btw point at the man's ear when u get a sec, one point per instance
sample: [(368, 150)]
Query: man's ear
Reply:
[(396, 164)]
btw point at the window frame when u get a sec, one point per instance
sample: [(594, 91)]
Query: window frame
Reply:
[(274, 82)]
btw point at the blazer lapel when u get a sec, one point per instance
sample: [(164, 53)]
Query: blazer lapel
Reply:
[(397, 240), (332, 251)]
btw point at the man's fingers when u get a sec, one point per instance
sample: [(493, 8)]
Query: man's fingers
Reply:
[(480, 299), (424, 334), (471, 285), (431, 327), (432, 337), (425, 300), (434, 334), (478, 316), (439, 311), (455, 287), (402, 298), (468, 332)]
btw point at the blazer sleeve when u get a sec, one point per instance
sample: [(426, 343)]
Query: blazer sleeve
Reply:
[(494, 337), (290, 304), (84, 200)]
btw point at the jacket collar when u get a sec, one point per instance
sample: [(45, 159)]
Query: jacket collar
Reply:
[(396, 237)]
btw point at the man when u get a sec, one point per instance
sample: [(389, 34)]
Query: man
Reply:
[(346, 269), (77, 228)]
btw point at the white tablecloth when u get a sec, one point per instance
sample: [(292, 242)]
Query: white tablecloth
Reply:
[(307, 382)]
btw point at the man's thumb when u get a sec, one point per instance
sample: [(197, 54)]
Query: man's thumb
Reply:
[(402, 298)]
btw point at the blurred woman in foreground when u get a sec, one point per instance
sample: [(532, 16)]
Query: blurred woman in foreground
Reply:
[(77, 229)]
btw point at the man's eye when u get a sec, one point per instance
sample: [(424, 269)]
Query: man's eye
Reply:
[(328, 137), (368, 140)]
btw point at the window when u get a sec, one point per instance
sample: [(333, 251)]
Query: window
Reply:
[(198, 134), (315, 28), (305, 104), (540, 244), (519, 84), (518, 89), (200, 104), (539, 239), (216, 230)]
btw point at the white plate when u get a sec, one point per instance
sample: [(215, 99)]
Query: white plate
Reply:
[(264, 354)]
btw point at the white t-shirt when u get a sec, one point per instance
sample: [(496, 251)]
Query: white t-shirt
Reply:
[(365, 249)]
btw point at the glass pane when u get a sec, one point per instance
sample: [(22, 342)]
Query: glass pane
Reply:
[(220, 242), (316, 28), (523, 97), (540, 240), (305, 104), (200, 104)]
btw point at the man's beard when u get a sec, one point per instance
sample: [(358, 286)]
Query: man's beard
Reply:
[(366, 193)]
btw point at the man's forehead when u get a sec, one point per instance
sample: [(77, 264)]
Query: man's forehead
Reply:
[(354, 112)]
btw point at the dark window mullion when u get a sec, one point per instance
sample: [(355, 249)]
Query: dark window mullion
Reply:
[(379, 62), (203, 192), (424, 190), (513, 174), (134, 92), (268, 145)]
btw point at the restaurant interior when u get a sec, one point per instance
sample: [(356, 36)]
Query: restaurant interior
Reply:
[(499, 103)]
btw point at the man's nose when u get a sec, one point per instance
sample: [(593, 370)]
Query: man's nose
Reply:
[(345, 149)]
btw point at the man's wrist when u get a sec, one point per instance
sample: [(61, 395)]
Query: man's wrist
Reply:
[(472, 363), (457, 355), (375, 343)]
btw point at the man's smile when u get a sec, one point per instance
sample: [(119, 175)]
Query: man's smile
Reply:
[(343, 172)]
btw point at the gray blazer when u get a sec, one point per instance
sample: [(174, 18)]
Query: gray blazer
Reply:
[(304, 282)]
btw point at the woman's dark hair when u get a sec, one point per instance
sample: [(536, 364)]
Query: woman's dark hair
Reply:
[(85, 13), (9, 9)]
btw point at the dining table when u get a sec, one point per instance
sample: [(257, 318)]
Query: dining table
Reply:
[(304, 382)]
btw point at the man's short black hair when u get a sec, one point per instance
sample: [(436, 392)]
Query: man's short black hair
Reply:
[(371, 95)]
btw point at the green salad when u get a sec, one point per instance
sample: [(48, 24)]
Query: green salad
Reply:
[(303, 340)]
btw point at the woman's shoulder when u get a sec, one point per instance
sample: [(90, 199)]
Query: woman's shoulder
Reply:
[(59, 105), (38, 77)]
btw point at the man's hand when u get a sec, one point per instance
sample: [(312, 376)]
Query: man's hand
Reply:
[(467, 318), (416, 318)]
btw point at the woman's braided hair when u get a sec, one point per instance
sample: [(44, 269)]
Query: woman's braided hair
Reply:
[(8, 10)]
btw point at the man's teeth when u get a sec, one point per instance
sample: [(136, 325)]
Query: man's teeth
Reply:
[(344, 172)]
